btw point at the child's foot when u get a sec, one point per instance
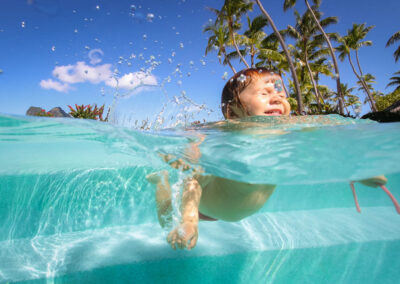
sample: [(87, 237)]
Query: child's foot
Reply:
[(184, 236)]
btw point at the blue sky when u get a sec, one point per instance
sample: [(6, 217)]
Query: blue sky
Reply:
[(45, 47)]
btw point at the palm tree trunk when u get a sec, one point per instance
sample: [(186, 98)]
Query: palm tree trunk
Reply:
[(227, 61), (358, 63), (362, 75), (339, 92), (313, 83), (235, 44), (373, 107), (288, 57)]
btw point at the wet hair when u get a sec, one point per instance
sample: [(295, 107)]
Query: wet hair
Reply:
[(230, 102)]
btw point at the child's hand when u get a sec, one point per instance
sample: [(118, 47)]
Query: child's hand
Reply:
[(374, 181), (184, 236)]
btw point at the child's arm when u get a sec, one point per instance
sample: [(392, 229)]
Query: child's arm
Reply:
[(186, 234)]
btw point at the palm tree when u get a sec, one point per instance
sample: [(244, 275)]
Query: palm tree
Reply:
[(352, 41), (395, 37), (350, 99), (252, 38), (305, 32), (395, 81), (219, 38), (288, 57), (290, 3), (230, 14)]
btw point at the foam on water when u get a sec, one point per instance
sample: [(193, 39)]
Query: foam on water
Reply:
[(75, 202)]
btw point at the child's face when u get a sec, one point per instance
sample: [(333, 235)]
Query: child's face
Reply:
[(265, 96)]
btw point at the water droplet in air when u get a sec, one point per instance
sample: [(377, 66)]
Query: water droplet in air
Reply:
[(188, 74), (97, 7), (53, 48), (179, 82), (183, 93), (150, 17), (75, 30), (169, 60), (95, 56), (181, 45), (23, 24), (144, 36), (241, 78), (173, 53), (129, 64), (87, 47), (202, 62), (191, 63), (86, 71), (225, 76)]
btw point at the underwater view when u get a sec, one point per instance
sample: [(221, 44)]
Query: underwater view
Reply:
[(183, 141)]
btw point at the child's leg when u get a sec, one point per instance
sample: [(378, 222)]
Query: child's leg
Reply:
[(185, 235), (163, 197)]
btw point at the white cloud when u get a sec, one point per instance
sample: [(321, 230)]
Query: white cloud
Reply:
[(132, 81), (50, 84), (80, 72)]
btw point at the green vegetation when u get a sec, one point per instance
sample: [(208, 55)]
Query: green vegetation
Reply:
[(310, 55), (87, 112), (44, 113)]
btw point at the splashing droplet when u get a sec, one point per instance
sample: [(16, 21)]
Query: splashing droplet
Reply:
[(169, 60), (87, 47), (225, 76), (144, 36), (53, 48), (97, 7), (150, 17), (179, 82), (241, 78), (23, 24), (75, 30), (181, 45)]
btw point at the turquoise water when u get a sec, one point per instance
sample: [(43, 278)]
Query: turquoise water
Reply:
[(75, 205)]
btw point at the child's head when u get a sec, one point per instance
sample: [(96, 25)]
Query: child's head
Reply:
[(254, 91)]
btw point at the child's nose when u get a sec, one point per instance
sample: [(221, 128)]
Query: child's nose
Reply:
[(275, 100)]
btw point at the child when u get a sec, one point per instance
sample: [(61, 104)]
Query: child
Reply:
[(253, 91)]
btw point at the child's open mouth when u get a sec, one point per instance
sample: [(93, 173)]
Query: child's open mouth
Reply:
[(273, 112)]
